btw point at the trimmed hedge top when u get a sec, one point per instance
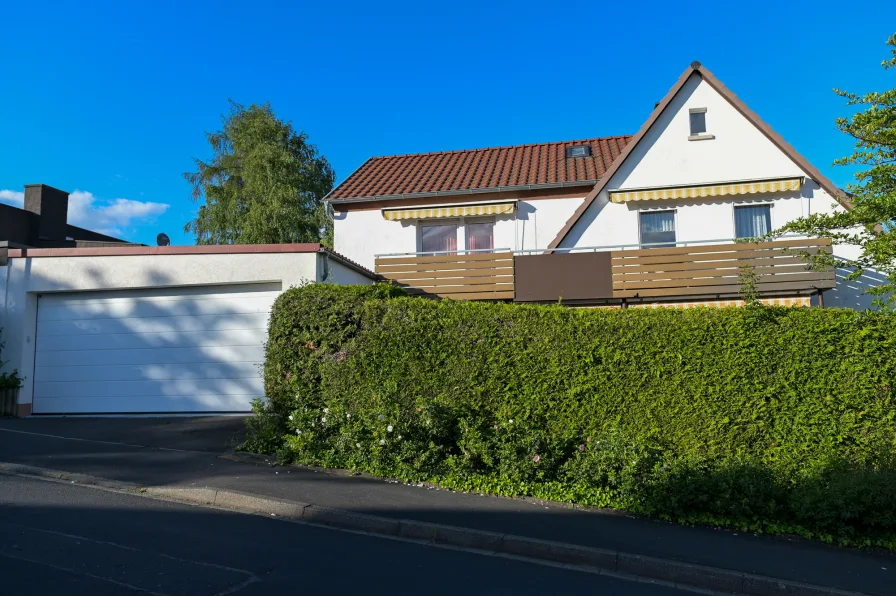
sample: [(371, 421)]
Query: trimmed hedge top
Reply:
[(771, 418)]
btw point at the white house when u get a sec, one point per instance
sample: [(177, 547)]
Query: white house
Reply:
[(702, 169)]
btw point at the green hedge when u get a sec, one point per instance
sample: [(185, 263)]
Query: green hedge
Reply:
[(771, 419), (305, 322)]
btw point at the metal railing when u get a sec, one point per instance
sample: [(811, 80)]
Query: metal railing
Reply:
[(600, 248)]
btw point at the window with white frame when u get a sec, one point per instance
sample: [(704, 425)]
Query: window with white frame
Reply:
[(657, 229), (445, 237), (697, 122), (438, 238), (480, 235), (752, 221)]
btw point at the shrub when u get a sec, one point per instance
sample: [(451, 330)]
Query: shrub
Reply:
[(767, 418), (306, 324), (8, 380)]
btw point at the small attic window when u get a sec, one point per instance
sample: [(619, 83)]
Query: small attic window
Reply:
[(578, 151), (698, 125)]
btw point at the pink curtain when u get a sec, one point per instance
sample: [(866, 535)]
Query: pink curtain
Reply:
[(481, 236)]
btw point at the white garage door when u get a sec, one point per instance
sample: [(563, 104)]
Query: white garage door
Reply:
[(196, 349)]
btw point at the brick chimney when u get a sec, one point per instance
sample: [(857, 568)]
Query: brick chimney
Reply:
[(51, 204)]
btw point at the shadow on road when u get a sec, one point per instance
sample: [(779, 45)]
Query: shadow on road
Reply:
[(106, 448)]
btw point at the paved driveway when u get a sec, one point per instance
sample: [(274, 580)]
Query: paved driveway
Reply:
[(214, 434)]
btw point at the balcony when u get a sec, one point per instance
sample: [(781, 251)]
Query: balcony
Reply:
[(706, 270), (468, 275)]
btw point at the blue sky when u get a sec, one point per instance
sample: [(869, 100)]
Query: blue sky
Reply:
[(111, 99)]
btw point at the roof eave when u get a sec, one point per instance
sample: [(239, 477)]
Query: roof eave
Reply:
[(468, 191)]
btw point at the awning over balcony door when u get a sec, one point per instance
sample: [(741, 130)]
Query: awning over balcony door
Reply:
[(707, 191), (440, 211)]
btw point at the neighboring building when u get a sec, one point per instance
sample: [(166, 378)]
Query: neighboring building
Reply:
[(43, 223), (703, 170)]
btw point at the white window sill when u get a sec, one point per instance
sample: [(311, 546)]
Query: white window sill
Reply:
[(701, 137)]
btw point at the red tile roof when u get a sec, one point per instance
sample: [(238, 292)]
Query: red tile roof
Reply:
[(479, 169)]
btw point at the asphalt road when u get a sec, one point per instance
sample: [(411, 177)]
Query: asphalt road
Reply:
[(62, 539)]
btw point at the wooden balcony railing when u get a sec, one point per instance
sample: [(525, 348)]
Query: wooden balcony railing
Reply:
[(598, 276), (472, 276), (717, 269)]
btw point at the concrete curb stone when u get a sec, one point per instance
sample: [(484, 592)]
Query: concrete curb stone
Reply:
[(462, 537), (351, 521), (709, 578), (665, 570), (560, 553), (204, 496)]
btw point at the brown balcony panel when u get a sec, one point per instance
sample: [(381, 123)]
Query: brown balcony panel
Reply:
[(478, 276), (572, 277), (716, 269)]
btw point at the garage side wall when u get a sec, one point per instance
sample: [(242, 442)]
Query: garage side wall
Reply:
[(342, 275), (28, 277)]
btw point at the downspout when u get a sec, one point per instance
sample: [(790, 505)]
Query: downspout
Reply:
[(5, 264), (323, 267)]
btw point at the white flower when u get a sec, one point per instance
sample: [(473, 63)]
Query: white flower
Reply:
[(326, 410), (298, 432), (348, 415), (382, 441), (511, 421), (358, 445), (290, 416), (389, 428), (399, 437), (323, 419)]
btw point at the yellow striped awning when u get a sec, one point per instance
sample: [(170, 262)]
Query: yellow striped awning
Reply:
[(449, 211), (708, 191)]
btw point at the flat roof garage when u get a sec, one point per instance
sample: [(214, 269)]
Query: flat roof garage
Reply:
[(146, 330)]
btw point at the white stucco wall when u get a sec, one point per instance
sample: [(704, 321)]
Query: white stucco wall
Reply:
[(611, 224), (361, 234), (28, 277), (540, 221), (358, 235), (343, 275), (739, 151), (666, 157)]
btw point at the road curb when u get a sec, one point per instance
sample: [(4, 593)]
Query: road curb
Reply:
[(668, 571)]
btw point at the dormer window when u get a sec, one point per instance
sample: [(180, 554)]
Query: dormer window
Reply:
[(698, 125)]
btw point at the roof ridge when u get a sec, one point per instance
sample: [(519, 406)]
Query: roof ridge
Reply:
[(499, 147)]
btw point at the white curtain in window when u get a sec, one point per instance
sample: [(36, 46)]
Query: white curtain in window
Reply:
[(751, 222), (658, 229), (663, 221)]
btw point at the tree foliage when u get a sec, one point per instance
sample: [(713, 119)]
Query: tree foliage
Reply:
[(870, 223), (264, 184)]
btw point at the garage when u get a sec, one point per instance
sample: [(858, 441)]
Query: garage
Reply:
[(194, 349), (147, 330)]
